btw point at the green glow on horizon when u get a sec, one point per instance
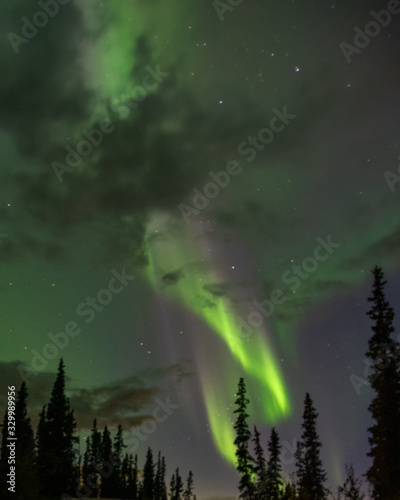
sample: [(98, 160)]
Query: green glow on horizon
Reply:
[(254, 355)]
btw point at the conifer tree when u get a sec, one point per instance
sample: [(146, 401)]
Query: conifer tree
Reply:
[(158, 487), (42, 456), (351, 489), (27, 487), (274, 468), (131, 490), (125, 476), (86, 460), (55, 442), (95, 461), (289, 492), (172, 487), (260, 467), (60, 427), (178, 486), (188, 493), (243, 436), (384, 439), (310, 473), (164, 495), (148, 477), (117, 482), (106, 450)]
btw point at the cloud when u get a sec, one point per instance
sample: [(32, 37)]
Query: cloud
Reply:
[(384, 249), (173, 277), (124, 401), (113, 404), (151, 161), (217, 289)]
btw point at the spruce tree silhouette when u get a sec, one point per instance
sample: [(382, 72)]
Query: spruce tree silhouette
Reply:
[(384, 352), (351, 489), (274, 468), (310, 473), (148, 477), (260, 467), (56, 435), (244, 459), (188, 493)]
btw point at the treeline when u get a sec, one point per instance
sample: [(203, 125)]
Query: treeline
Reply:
[(262, 478), (47, 464)]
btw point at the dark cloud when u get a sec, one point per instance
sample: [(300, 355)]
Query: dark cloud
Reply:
[(150, 161), (42, 93), (124, 401), (113, 404), (385, 249), (217, 289), (173, 277)]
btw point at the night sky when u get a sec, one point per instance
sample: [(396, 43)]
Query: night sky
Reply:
[(172, 93)]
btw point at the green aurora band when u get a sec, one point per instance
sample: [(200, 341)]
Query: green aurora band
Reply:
[(253, 356)]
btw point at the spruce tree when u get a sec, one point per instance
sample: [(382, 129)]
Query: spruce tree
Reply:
[(125, 476), (27, 486), (158, 489), (300, 467), (164, 495), (60, 427), (178, 486), (106, 450), (260, 467), (86, 460), (117, 481), (148, 477), (172, 487), (274, 468), (95, 461), (243, 436), (42, 455), (384, 439), (131, 491), (188, 493), (310, 473), (289, 492), (133, 483), (351, 489)]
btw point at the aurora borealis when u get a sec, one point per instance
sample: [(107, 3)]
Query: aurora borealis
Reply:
[(114, 116), (194, 289)]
